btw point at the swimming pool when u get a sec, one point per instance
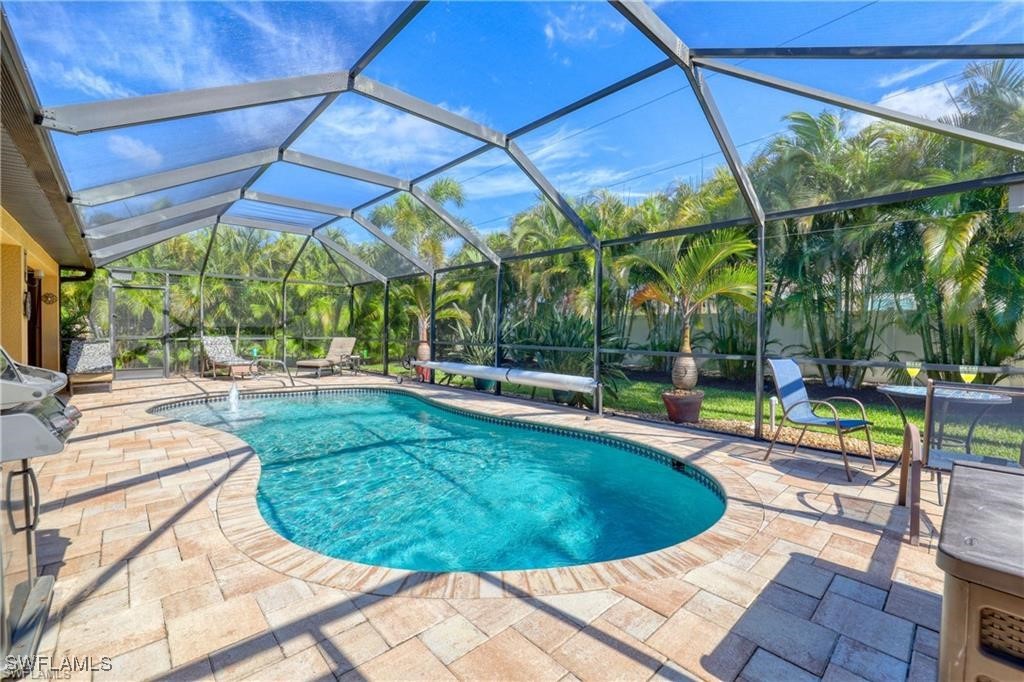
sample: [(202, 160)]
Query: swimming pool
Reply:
[(386, 478)]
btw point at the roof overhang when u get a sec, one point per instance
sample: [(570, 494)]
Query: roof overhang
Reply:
[(32, 188)]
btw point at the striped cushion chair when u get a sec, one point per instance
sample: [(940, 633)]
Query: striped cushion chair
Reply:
[(89, 362), (219, 352)]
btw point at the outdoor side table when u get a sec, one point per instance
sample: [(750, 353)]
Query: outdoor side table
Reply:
[(259, 366), (977, 400), (981, 549)]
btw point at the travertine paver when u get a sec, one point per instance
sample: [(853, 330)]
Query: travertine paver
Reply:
[(862, 623), (453, 638), (162, 560), (795, 639), (766, 667), (869, 663)]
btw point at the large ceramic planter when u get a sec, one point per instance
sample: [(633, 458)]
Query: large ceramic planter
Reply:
[(483, 384), (563, 396), (683, 407), (423, 354)]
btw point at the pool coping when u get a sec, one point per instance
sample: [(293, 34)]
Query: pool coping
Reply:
[(244, 526)]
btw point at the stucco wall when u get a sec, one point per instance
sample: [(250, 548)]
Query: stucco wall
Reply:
[(18, 251)]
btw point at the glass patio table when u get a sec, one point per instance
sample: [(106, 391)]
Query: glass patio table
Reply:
[(901, 395)]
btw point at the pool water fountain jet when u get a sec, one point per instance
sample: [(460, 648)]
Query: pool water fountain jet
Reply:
[(233, 398)]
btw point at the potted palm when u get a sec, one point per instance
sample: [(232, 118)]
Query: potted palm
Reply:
[(686, 274), (414, 298)]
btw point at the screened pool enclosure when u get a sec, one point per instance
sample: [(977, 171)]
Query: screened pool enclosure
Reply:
[(634, 185)]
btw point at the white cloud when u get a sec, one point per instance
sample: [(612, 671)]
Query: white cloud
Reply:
[(581, 23), (134, 150), (571, 158), (165, 46), (930, 101), (1008, 13), (906, 74), (364, 133), (85, 80), (995, 14)]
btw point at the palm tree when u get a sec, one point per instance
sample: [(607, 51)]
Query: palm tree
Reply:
[(414, 298), (414, 226), (690, 273)]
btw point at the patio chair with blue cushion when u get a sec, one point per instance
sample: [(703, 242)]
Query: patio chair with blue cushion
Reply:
[(799, 409), (89, 362), (218, 352)]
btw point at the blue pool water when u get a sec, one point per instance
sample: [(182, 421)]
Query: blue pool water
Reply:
[(389, 479)]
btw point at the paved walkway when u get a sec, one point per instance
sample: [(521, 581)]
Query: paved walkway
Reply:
[(151, 573)]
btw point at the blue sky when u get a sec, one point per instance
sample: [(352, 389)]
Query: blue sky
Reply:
[(503, 64)]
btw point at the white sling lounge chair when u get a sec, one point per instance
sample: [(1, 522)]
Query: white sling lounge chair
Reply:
[(338, 355)]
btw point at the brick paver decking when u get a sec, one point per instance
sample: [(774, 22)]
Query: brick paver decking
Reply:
[(164, 565)]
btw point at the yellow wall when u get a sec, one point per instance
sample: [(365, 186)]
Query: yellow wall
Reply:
[(18, 251)]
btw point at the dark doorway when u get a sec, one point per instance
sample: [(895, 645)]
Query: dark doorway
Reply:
[(34, 313)]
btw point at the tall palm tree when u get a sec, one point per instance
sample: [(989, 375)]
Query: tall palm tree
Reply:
[(417, 228), (414, 298), (690, 272)]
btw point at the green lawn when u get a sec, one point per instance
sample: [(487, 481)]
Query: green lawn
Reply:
[(738, 405)]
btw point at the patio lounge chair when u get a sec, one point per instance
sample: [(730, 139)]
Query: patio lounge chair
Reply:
[(953, 427), (90, 362), (799, 409), (338, 354), (218, 352)]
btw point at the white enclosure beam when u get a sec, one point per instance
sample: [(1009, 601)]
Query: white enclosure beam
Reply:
[(102, 256), (400, 22), (466, 232), (427, 111), (115, 241), (155, 182), (644, 19), (548, 190), (350, 257), (729, 151), (980, 51), (380, 234), (862, 107), (144, 219), (665, 39), (106, 115), (651, 25), (344, 170), (277, 200), (260, 224)]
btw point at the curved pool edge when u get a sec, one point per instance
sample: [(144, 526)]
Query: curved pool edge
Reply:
[(243, 525)]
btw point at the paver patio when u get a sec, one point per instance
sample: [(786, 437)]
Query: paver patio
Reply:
[(140, 526)]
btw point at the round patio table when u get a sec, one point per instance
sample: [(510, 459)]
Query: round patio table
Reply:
[(966, 397)]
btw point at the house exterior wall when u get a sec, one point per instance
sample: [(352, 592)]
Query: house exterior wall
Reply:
[(19, 252)]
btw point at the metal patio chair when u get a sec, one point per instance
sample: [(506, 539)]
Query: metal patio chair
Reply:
[(800, 410)]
